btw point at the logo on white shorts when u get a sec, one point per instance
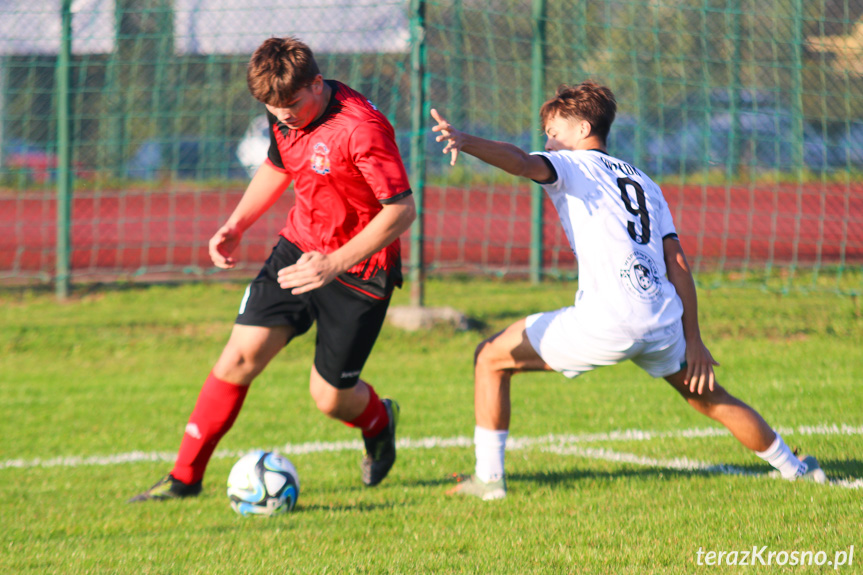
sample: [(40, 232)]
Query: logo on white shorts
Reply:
[(640, 277)]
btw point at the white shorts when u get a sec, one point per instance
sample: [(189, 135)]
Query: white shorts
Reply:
[(562, 343)]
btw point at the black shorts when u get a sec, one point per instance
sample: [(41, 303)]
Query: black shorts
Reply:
[(349, 312)]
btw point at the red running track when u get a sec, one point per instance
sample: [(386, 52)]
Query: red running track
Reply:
[(480, 229)]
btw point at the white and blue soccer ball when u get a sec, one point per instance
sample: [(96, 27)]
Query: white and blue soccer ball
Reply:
[(263, 483)]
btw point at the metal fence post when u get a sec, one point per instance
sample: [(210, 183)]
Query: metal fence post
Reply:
[(64, 154), (418, 156), (537, 89), (797, 45), (733, 166)]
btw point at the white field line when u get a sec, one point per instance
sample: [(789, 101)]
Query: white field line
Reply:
[(553, 443)]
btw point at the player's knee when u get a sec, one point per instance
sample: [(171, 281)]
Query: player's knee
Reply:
[(326, 397), (326, 404), (239, 365), (485, 357), (479, 349), (490, 356)]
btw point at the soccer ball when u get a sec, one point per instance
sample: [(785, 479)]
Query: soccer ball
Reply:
[(263, 483)]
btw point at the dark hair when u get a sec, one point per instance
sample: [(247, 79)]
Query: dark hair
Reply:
[(279, 68), (588, 101)]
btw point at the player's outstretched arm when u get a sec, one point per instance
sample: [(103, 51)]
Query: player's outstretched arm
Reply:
[(699, 361), (507, 157), (262, 192)]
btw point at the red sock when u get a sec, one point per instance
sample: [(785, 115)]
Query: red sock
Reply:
[(218, 405), (374, 417)]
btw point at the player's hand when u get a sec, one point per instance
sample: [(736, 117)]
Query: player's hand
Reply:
[(312, 270), (222, 245), (699, 367), (454, 138)]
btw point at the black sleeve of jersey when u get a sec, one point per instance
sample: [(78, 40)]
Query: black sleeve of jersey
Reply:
[(553, 177), (397, 197), (273, 154)]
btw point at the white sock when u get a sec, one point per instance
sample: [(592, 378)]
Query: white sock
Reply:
[(489, 446), (780, 456)]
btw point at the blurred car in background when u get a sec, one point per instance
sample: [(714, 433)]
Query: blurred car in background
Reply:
[(28, 161), (698, 133), (848, 148), (185, 158), (24, 163), (765, 140)]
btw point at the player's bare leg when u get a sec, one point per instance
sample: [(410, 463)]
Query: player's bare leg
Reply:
[(748, 427), (343, 404), (249, 350), (495, 362), (742, 421)]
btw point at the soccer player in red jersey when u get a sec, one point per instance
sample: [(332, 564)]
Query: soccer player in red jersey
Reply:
[(336, 262)]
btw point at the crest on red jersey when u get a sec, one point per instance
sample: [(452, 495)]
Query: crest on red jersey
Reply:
[(320, 159)]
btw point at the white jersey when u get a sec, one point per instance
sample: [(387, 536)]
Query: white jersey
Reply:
[(615, 219)]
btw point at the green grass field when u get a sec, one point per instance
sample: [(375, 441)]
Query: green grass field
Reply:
[(96, 392)]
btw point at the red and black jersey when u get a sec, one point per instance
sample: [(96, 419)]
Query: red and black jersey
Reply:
[(344, 166)]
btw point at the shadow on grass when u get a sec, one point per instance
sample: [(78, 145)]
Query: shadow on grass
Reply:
[(571, 477), (842, 468), (362, 506), (835, 469), (575, 475)]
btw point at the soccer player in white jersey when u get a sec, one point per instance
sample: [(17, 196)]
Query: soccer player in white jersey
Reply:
[(636, 298)]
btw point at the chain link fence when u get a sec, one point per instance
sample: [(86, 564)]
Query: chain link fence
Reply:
[(749, 114)]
